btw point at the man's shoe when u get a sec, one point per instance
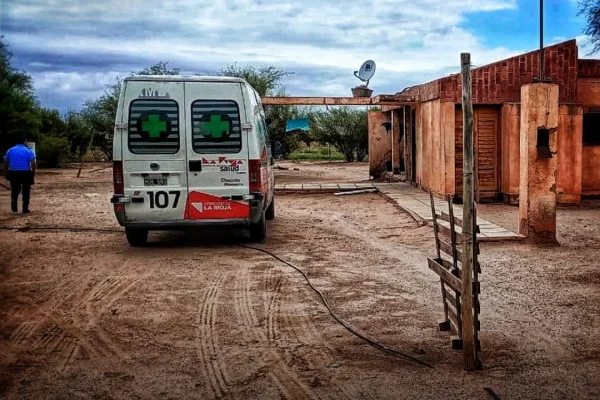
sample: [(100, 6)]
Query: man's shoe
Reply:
[(13, 206), (26, 211)]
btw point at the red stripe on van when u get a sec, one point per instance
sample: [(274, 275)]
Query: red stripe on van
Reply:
[(206, 206)]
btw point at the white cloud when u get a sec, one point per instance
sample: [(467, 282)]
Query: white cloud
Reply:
[(410, 40), (74, 81), (585, 46)]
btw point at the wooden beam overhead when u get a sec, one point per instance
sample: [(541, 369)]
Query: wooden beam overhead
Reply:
[(340, 101), (317, 101), (394, 100)]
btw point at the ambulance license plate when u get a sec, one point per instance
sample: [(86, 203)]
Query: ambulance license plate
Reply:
[(154, 180)]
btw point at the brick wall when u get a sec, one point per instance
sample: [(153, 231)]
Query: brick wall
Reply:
[(588, 68), (501, 82), (426, 91)]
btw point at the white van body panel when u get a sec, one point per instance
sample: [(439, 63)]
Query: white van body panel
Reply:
[(220, 172), (186, 144), (140, 161)]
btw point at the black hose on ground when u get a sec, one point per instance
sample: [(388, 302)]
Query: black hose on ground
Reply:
[(377, 345), (58, 228), (373, 343), (491, 392)]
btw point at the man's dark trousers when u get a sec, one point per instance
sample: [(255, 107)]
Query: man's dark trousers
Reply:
[(20, 181)]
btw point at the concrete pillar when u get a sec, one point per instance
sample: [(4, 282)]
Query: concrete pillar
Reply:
[(380, 142), (396, 152), (537, 189), (510, 152)]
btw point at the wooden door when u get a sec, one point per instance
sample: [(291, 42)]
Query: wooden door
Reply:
[(486, 145), (486, 124), (458, 151)]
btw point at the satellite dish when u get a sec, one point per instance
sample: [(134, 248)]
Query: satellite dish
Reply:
[(366, 71)]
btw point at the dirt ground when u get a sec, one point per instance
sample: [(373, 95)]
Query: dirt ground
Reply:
[(83, 315), (322, 172)]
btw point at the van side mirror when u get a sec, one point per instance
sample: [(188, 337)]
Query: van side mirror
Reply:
[(276, 149)]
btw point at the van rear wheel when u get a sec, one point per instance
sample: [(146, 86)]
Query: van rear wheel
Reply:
[(270, 213), (258, 231), (136, 237)]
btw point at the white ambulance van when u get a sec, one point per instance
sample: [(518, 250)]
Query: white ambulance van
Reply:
[(191, 151)]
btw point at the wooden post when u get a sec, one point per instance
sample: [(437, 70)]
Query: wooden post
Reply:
[(476, 304), (392, 138), (84, 153), (468, 338), (404, 138), (445, 324)]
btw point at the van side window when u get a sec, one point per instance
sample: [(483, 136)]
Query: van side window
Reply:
[(258, 102), (262, 128), (216, 127), (153, 127), (264, 124)]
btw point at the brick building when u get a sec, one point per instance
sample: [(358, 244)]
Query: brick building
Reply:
[(425, 139)]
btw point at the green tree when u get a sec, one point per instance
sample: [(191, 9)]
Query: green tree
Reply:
[(78, 132), (159, 68), (52, 147), (100, 114), (51, 123), (61, 138), (361, 122), (19, 113), (267, 82), (277, 117), (344, 128), (52, 151), (590, 9)]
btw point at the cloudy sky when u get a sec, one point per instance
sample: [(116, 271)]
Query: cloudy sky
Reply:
[(73, 48)]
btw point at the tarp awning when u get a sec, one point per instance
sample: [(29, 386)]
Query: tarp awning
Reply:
[(302, 124)]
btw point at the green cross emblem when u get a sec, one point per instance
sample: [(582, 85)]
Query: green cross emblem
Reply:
[(217, 128), (154, 126)]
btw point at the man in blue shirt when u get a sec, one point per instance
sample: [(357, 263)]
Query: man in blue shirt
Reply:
[(19, 169)]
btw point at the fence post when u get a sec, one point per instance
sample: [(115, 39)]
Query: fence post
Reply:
[(468, 338), (89, 147)]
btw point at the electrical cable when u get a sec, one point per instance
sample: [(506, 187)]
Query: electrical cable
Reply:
[(373, 343), (58, 228), (349, 328), (491, 392)]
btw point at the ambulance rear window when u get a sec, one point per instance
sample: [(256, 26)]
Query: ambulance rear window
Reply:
[(216, 127), (153, 126)]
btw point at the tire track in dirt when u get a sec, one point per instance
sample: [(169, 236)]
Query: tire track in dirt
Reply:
[(209, 352), (272, 301), (17, 309), (101, 299), (45, 296), (83, 332), (64, 334), (303, 330), (23, 332), (27, 330), (288, 381)]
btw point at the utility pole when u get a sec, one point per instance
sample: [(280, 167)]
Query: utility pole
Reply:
[(541, 40), (468, 331), (541, 77)]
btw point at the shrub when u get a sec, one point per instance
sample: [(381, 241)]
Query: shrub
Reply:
[(345, 129), (52, 151)]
